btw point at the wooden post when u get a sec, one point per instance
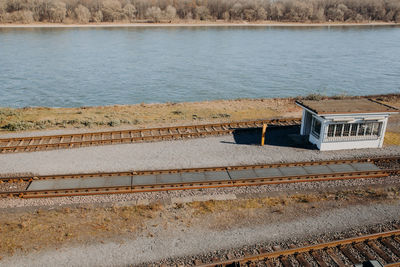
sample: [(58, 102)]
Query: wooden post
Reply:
[(264, 129)]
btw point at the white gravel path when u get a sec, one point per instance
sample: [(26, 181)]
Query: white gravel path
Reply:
[(202, 152), (196, 241)]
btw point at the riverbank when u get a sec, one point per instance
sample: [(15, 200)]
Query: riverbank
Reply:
[(157, 115), (200, 24)]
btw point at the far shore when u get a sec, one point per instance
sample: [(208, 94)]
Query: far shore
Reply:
[(197, 24)]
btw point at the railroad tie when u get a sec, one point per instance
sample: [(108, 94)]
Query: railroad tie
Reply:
[(346, 251), (302, 260), (390, 246), (363, 251), (379, 251), (285, 261), (318, 258)]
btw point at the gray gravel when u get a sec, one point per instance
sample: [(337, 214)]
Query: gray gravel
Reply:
[(197, 195), (177, 243), (213, 151)]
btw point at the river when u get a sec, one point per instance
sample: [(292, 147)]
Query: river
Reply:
[(70, 67)]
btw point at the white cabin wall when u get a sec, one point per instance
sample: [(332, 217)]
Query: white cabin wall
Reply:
[(323, 145), (349, 145), (303, 118), (383, 131)]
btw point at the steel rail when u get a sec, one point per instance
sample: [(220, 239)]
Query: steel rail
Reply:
[(307, 249), (204, 169), (199, 185), (35, 143)]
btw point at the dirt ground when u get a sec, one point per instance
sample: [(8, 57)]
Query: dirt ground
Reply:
[(27, 230)]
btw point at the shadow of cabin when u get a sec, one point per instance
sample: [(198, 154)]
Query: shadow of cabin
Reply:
[(285, 136)]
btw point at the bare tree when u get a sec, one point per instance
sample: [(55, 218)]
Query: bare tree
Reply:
[(130, 12), (185, 8), (170, 13), (141, 7), (392, 10), (3, 10), (82, 14), (189, 16), (236, 11), (299, 10), (112, 10), (277, 11), (57, 11), (202, 13), (154, 14), (21, 16), (261, 13), (97, 16), (318, 15), (226, 16), (249, 14)]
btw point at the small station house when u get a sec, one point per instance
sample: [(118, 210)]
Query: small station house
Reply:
[(345, 123)]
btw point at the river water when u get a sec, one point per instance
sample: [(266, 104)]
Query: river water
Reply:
[(69, 67)]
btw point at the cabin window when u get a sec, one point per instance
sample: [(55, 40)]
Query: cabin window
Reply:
[(338, 131), (331, 130), (316, 127), (346, 129), (361, 129), (353, 131), (376, 128)]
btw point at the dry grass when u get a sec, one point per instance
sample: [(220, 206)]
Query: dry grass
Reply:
[(144, 114), (222, 215), (392, 139), (212, 206), (26, 230), (153, 115)]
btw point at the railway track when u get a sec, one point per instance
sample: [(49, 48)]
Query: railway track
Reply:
[(37, 143), (198, 178), (384, 247)]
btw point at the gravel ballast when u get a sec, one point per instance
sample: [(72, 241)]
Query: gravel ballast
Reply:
[(202, 152), (194, 195)]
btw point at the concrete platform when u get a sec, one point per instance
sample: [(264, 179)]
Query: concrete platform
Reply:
[(93, 182), (190, 177)]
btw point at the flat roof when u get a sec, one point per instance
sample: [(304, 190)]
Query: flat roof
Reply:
[(346, 106)]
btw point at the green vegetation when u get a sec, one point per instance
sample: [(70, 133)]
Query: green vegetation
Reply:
[(95, 11)]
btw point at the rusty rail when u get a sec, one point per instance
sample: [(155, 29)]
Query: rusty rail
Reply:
[(340, 252), (37, 143), (202, 184), (204, 169)]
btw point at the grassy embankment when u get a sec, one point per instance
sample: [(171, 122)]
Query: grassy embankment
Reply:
[(153, 115), (143, 115)]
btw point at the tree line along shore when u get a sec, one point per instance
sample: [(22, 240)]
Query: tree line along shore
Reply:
[(128, 11)]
